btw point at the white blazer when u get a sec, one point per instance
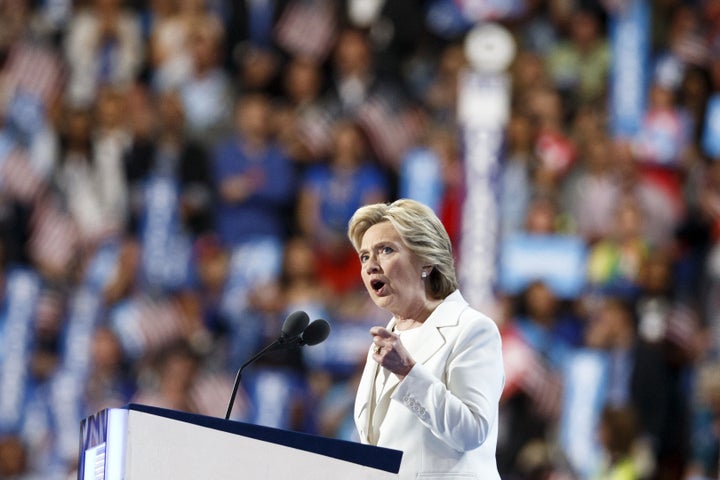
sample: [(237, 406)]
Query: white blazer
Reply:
[(443, 415)]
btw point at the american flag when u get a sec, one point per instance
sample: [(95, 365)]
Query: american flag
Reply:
[(555, 151), (391, 130), (211, 393), (33, 69), (307, 28), (314, 127), (692, 49), (18, 178), (682, 329), (526, 371), (489, 10), (160, 321), (54, 238)]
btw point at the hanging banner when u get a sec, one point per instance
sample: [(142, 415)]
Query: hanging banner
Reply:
[(629, 28), (484, 97), (483, 112)]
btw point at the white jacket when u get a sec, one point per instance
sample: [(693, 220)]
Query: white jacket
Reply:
[(443, 415)]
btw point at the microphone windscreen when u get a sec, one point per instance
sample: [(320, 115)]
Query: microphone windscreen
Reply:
[(316, 332), (295, 324)]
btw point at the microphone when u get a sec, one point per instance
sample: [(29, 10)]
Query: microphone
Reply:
[(295, 331), (315, 333), (293, 326)]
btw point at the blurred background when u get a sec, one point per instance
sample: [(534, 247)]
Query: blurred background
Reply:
[(176, 178)]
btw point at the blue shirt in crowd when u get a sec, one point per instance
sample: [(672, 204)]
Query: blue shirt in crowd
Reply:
[(263, 213)]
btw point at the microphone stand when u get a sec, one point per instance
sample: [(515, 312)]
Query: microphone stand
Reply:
[(311, 334), (239, 374)]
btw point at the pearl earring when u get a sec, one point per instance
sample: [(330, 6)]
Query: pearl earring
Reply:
[(423, 274)]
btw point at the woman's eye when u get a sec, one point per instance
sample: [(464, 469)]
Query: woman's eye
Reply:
[(363, 258), (387, 250)]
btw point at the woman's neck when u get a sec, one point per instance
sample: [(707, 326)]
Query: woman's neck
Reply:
[(406, 322)]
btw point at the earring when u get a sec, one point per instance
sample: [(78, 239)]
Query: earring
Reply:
[(423, 274)]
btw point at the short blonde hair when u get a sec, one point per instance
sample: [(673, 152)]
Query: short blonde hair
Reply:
[(421, 231)]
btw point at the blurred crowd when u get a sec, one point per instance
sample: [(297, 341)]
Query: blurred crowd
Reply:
[(176, 178)]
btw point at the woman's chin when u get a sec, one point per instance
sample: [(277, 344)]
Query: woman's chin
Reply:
[(382, 301)]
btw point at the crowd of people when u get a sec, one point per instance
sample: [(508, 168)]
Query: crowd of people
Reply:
[(177, 176)]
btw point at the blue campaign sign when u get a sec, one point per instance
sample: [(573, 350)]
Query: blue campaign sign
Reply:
[(711, 133), (630, 46), (558, 260), (421, 177)]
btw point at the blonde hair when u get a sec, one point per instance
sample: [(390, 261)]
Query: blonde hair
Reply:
[(421, 231)]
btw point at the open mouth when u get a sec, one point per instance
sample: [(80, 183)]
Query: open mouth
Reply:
[(377, 285)]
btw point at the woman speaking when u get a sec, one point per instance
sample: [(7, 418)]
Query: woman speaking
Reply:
[(434, 375)]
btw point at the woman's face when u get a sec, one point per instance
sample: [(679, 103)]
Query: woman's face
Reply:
[(348, 146), (390, 272)]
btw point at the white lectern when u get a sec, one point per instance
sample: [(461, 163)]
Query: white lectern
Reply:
[(139, 442)]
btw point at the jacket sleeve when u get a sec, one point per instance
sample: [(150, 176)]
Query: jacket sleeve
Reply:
[(461, 408)]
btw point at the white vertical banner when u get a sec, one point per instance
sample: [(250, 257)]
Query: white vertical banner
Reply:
[(585, 379), (629, 32), (483, 112)]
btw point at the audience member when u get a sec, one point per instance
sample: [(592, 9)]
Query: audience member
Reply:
[(618, 433), (303, 130), (207, 95), (592, 191), (615, 260), (329, 194), (704, 461), (103, 46), (171, 380), (517, 172), (109, 383), (89, 177), (13, 458), (579, 65), (166, 151), (170, 42)]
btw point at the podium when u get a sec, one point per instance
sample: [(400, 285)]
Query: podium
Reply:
[(139, 442)]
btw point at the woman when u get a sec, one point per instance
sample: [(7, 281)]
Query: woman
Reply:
[(329, 194), (434, 375)]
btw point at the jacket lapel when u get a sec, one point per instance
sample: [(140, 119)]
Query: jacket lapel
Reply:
[(364, 396)]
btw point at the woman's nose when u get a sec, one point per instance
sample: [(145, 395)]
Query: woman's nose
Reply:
[(371, 266)]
